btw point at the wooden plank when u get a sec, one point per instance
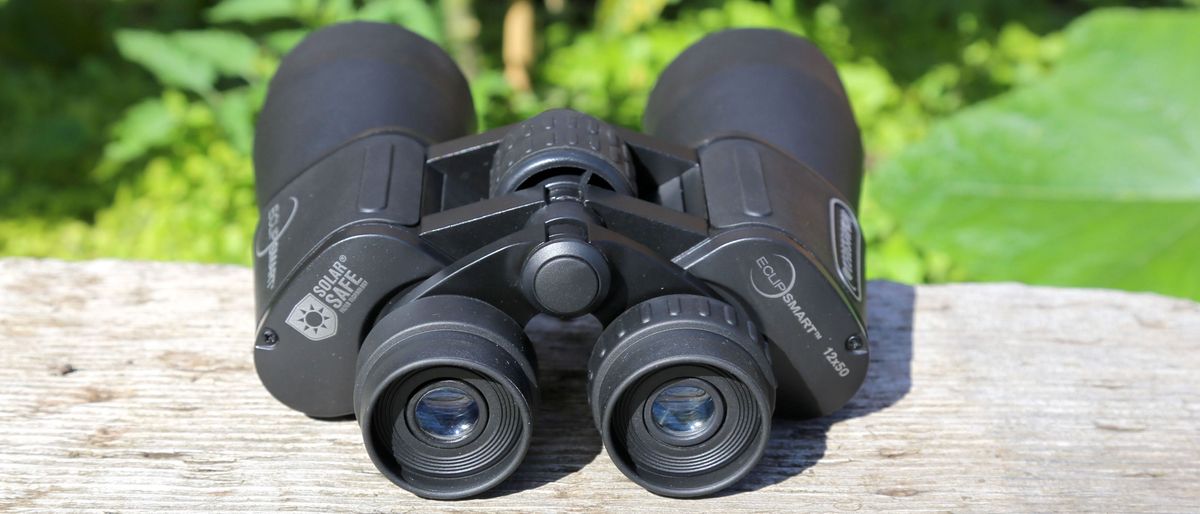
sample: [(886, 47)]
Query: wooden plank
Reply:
[(130, 386)]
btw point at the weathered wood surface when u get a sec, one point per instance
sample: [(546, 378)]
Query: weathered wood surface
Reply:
[(130, 386)]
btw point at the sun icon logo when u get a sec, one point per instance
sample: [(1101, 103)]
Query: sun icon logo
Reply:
[(313, 319)]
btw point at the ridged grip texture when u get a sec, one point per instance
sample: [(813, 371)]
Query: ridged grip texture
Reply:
[(671, 311), (561, 138)]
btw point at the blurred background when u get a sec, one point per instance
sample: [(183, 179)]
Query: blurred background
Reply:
[(1050, 142)]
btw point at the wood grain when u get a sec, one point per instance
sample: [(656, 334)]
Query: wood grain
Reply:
[(129, 386)]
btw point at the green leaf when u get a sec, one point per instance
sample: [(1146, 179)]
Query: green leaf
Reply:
[(236, 116), (1089, 177), (166, 60), (253, 11), (334, 11), (282, 41), (415, 15), (191, 59), (146, 125), (625, 16), (230, 53)]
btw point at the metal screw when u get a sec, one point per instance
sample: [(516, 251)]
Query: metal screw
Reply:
[(854, 343), (268, 339)]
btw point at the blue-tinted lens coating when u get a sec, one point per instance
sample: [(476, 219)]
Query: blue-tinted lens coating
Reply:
[(446, 413), (683, 410)]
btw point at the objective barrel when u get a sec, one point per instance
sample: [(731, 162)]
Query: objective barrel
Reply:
[(350, 80), (765, 84)]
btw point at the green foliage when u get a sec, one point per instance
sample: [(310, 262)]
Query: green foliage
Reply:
[(610, 72), (128, 125), (252, 11), (167, 60), (50, 122), (193, 181), (1087, 177)]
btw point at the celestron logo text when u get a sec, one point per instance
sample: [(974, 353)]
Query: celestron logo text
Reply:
[(774, 279), (847, 249)]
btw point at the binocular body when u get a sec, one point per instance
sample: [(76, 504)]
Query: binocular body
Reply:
[(399, 256)]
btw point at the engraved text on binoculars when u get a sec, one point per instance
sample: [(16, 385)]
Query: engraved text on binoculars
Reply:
[(339, 286), (838, 366), (847, 249), (783, 291), (274, 232), (846, 245)]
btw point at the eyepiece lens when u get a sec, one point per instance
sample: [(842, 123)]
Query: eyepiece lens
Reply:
[(446, 413), (683, 410)]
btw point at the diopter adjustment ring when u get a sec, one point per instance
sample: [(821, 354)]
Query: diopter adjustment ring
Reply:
[(681, 311), (561, 140)]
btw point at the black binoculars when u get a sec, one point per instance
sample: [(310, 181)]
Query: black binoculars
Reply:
[(399, 257)]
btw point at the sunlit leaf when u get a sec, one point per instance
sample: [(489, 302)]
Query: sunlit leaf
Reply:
[(146, 125), (166, 60), (415, 15), (283, 41), (1090, 176), (252, 11), (235, 115), (230, 53)]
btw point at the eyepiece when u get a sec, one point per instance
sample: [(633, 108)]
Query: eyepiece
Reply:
[(444, 395), (682, 393)]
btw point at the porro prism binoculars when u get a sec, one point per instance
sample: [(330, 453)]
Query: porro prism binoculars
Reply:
[(400, 255)]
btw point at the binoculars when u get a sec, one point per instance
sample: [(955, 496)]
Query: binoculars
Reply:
[(399, 257)]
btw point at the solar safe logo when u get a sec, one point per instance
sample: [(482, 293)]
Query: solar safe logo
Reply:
[(313, 319)]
